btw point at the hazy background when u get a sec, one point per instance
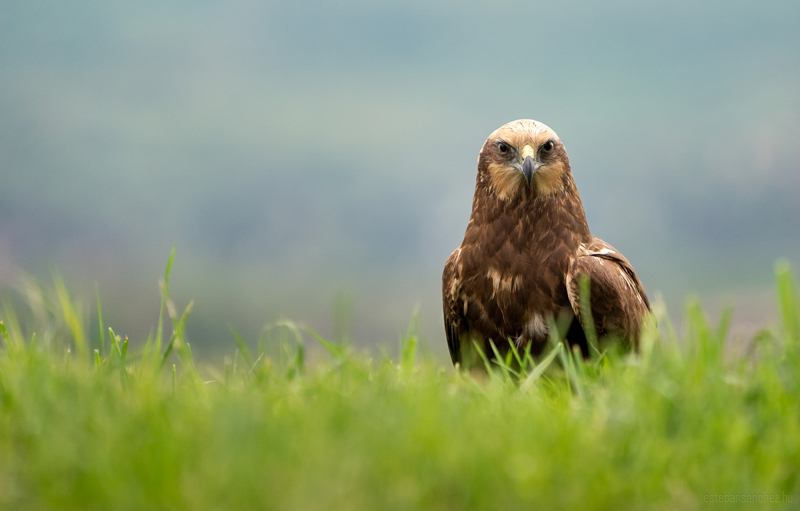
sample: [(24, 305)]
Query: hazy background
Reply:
[(307, 157)]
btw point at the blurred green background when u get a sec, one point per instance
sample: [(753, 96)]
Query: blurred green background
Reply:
[(314, 159)]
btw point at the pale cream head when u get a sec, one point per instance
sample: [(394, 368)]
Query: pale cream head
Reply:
[(504, 156)]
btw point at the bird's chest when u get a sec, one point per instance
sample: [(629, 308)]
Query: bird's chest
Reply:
[(513, 263), (513, 286)]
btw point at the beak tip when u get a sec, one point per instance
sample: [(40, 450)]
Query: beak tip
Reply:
[(527, 169)]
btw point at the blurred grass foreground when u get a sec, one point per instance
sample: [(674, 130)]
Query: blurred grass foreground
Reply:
[(684, 424)]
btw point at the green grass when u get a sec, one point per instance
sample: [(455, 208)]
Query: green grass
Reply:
[(682, 423)]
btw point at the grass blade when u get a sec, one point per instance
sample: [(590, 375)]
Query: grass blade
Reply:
[(787, 302), (540, 368), (242, 347), (164, 299), (587, 320), (408, 352), (100, 330), (4, 334), (72, 318), (498, 360)]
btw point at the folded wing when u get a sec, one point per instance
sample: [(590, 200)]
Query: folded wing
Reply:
[(454, 324), (618, 301)]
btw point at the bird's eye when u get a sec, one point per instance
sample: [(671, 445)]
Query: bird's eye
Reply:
[(503, 147), (548, 146)]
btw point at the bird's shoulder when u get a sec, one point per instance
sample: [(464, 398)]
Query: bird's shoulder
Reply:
[(595, 249)]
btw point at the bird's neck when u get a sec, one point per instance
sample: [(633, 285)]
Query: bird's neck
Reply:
[(560, 212)]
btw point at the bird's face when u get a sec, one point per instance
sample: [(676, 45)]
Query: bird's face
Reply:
[(524, 155)]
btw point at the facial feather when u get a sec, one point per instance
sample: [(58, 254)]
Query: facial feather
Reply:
[(523, 138)]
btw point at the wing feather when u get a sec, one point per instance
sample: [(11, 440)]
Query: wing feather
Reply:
[(453, 319), (618, 300)]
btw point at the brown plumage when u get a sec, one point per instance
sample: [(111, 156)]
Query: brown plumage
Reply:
[(526, 248)]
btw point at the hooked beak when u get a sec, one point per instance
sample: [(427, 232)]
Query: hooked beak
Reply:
[(528, 168)]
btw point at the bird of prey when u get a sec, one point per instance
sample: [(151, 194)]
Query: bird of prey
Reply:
[(525, 251)]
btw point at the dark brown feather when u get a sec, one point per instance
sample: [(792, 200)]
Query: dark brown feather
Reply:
[(618, 301)]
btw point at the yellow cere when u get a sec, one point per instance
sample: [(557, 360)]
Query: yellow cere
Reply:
[(527, 151)]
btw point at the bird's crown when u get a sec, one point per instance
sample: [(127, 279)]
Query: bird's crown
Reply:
[(522, 131)]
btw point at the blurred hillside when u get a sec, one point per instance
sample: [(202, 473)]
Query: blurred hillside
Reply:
[(304, 154)]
